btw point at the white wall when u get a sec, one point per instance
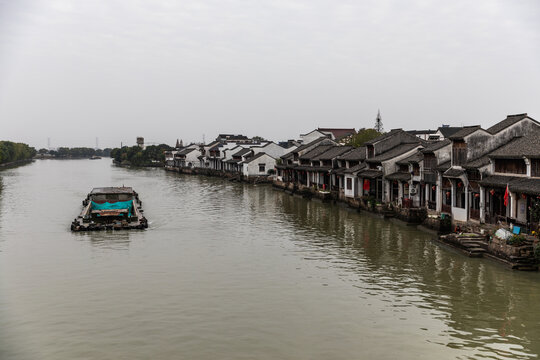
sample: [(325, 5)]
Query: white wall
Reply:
[(309, 137), (272, 149), (193, 158), (252, 168)]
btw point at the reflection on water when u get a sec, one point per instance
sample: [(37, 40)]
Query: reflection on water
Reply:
[(488, 309), (228, 270)]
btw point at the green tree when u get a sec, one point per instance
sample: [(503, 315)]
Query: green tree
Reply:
[(363, 135)]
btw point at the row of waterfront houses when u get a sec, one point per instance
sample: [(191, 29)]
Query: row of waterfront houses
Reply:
[(474, 174)]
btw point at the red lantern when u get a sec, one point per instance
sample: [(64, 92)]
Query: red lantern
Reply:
[(476, 195), (460, 184), (448, 194), (523, 196), (433, 187), (492, 192)]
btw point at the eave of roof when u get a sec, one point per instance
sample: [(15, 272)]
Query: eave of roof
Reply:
[(395, 151)]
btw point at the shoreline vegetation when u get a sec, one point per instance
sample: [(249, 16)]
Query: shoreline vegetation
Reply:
[(72, 153), (12, 153), (150, 156)]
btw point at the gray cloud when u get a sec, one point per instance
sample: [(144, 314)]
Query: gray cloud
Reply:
[(117, 69)]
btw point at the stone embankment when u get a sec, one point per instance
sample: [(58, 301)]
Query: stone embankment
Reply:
[(231, 176), (522, 256)]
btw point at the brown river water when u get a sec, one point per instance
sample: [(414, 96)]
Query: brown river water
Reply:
[(236, 271)]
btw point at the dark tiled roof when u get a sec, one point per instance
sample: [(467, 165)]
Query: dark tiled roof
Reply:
[(509, 121), (467, 130), (515, 183), (315, 152), (333, 152), (444, 166), (242, 152), (384, 136), (354, 169), (313, 168), (356, 154), (448, 131), (395, 151), (454, 173), (496, 181), (305, 146), (185, 151), (287, 155), (432, 146), (525, 185), (403, 136), (420, 132), (414, 158), (255, 157), (370, 174), (528, 145), (477, 163), (400, 175)]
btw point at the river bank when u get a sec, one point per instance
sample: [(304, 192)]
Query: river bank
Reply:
[(15, 163)]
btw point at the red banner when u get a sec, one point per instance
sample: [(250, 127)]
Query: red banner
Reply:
[(366, 184)]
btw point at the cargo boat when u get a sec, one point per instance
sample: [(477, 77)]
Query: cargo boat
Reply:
[(110, 208)]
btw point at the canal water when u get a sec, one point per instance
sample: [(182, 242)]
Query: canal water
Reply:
[(235, 271)]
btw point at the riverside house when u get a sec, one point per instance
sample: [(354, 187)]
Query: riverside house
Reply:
[(465, 174), (472, 162)]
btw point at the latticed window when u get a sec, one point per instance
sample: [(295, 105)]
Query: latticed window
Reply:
[(510, 166), (430, 162), (535, 167), (459, 153)]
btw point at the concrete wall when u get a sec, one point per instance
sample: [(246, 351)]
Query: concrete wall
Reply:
[(443, 154), (481, 142)]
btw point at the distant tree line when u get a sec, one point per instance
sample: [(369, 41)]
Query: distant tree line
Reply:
[(77, 152), (11, 152), (136, 156)]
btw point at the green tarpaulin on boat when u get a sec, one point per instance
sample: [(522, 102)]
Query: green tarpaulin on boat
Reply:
[(114, 206)]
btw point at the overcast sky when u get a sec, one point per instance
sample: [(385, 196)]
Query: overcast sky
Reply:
[(117, 69)]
